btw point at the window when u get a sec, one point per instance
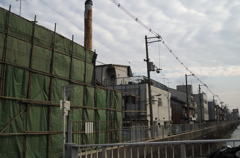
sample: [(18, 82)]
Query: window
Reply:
[(113, 77), (130, 99), (159, 101)]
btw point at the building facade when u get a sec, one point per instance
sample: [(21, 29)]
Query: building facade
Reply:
[(202, 113), (112, 74), (235, 114), (137, 109), (212, 111), (179, 98)]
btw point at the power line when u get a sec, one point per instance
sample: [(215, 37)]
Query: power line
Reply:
[(146, 27), (61, 14), (164, 43)]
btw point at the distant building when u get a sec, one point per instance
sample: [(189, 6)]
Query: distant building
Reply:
[(204, 105), (179, 111), (111, 74), (179, 99), (218, 113), (137, 109), (212, 110), (235, 114), (182, 88)]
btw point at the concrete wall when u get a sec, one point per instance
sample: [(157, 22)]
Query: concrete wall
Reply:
[(161, 112), (122, 75), (104, 74)]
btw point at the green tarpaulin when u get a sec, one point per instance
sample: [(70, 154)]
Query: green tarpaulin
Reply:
[(35, 109)]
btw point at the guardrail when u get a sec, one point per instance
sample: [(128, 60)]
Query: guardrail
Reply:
[(95, 132), (143, 133), (183, 149)]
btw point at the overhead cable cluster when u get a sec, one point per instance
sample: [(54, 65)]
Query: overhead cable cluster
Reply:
[(164, 43)]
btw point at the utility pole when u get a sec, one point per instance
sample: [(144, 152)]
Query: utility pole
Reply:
[(63, 113), (150, 67), (149, 82), (187, 96), (222, 117), (200, 100), (169, 118), (66, 92), (214, 108), (187, 99)]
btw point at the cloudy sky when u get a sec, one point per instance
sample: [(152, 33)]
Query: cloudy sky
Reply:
[(205, 35)]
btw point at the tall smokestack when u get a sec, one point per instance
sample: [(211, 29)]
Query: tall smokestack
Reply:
[(88, 25)]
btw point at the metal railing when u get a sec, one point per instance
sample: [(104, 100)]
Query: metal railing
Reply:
[(183, 149), (143, 133), (105, 132), (94, 132)]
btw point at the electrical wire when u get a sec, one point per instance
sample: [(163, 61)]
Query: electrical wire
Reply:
[(164, 43), (146, 27)]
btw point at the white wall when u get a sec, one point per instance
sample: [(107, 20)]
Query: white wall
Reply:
[(162, 113), (205, 113), (103, 74), (159, 112), (121, 75), (205, 105)]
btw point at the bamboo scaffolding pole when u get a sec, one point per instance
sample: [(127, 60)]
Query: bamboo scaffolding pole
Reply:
[(32, 102), (51, 89), (84, 94), (12, 120), (95, 100), (72, 81), (107, 116), (3, 72), (48, 48), (70, 77), (30, 83)]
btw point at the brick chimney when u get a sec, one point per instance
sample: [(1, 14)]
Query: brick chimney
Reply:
[(88, 25)]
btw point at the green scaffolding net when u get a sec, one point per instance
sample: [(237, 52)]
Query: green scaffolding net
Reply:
[(35, 63)]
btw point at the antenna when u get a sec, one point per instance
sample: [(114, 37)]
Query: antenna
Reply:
[(163, 75), (168, 82)]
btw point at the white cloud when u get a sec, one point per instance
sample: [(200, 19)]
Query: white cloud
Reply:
[(205, 71), (203, 34)]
